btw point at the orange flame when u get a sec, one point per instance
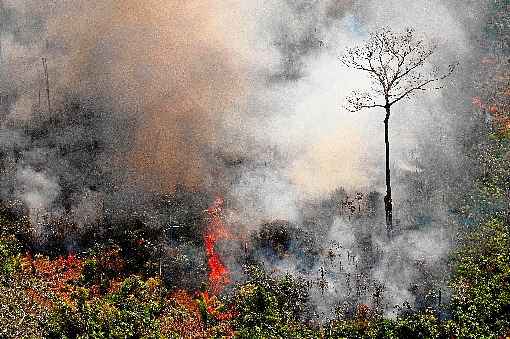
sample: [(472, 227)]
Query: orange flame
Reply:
[(218, 273)]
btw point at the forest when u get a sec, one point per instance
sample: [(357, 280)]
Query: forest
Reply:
[(160, 223)]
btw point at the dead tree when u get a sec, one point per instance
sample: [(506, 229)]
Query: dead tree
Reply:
[(398, 66), (47, 83)]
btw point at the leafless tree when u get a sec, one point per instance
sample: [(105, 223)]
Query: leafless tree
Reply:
[(397, 65), (45, 69)]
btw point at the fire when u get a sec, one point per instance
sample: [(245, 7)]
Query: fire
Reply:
[(219, 275)]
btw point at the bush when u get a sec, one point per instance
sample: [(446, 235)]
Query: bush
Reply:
[(481, 283), (131, 312), (271, 307), (10, 254)]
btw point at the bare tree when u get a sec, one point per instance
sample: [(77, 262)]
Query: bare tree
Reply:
[(45, 69), (396, 64)]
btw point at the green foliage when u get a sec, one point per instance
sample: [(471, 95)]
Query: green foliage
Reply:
[(481, 283), (270, 307), (10, 253), (131, 312), (90, 271), (21, 314), (424, 324)]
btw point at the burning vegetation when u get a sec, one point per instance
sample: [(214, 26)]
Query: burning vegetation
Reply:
[(215, 231)]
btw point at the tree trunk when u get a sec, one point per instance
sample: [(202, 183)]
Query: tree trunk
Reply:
[(388, 206), (45, 67)]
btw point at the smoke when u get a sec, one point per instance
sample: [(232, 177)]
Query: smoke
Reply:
[(37, 190), (242, 99), (304, 146), (173, 67), (301, 142)]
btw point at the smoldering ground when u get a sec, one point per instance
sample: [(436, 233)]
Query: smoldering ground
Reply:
[(243, 100)]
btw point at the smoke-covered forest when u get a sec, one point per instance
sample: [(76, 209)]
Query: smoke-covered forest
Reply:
[(255, 169)]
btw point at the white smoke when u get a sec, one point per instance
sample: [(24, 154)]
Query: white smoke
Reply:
[(316, 146)]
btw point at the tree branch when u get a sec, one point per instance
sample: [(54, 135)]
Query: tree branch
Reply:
[(393, 63), (422, 86)]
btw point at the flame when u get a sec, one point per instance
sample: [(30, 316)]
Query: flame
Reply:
[(219, 275)]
